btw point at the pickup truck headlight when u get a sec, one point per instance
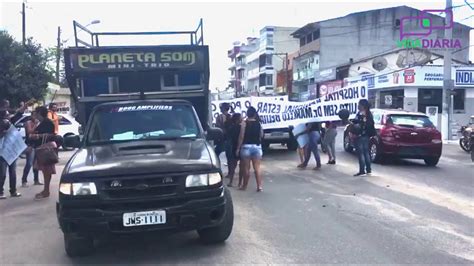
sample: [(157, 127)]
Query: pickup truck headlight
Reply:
[(203, 180), (78, 189)]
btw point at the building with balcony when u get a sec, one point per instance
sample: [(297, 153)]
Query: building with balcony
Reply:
[(255, 70), (328, 48)]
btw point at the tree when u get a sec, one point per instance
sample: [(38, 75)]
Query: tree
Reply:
[(24, 73)]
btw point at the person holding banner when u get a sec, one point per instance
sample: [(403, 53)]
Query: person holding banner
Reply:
[(313, 131), (363, 128), (250, 147), (302, 138), (4, 126)]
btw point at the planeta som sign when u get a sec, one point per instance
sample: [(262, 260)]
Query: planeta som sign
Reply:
[(136, 59)]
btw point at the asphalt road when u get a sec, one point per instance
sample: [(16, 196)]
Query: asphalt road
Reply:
[(404, 213)]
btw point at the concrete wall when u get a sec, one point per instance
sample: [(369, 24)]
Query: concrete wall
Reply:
[(366, 34)]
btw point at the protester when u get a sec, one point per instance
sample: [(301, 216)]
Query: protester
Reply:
[(221, 123), (314, 135), (250, 148), (233, 133), (43, 133), (302, 138), (30, 126), (330, 141), (363, 128), (4, 126), (53, 116)]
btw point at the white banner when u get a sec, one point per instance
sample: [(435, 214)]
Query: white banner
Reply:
[(278, 112), (12, 145)]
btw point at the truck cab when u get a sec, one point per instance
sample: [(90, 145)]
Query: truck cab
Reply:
[(144, 163)]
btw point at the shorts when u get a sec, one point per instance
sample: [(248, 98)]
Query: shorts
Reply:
[(251, 151)]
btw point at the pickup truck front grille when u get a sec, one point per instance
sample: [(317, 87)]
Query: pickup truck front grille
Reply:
[(138, 187)]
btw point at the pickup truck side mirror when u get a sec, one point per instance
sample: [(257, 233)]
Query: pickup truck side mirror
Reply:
[(73, 141), (214, 133)]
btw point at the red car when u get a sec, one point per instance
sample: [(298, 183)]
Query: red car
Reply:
[(401, 134)]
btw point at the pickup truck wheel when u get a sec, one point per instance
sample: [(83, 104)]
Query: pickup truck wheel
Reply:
[(431, 161), (78, 245), (220, 233)]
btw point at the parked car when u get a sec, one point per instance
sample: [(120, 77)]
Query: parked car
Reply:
[(401, 134), (279, 135), (67, 125)]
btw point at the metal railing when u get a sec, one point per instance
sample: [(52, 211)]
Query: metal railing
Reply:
[(196, 37)]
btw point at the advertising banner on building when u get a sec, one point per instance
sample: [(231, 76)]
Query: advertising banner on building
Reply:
[(419, 76), (276, 112), (329, 87)]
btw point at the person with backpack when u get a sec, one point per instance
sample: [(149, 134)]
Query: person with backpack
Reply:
[(363, 128)]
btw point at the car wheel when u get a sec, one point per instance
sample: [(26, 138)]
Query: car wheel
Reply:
[(347, 143), (375, 153), (67, 148), (432, 161), (76, 245), (220, 233)]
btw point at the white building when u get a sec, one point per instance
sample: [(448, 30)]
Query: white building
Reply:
[(255, 65)]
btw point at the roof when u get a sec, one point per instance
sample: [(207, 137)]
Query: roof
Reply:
[(315, 25)]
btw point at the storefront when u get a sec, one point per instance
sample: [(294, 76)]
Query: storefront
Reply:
[(415, 89)]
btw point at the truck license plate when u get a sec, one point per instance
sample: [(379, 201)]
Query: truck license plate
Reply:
[(144, 218)]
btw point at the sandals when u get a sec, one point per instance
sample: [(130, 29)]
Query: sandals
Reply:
[(41, 196), (260, 189)]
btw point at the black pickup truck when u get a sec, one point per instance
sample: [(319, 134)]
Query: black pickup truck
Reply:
[(144, 163), (142, 166)]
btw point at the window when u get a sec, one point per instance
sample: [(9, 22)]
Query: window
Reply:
[(392, 99), (459, 99), (151, 123), (315, 35), (309, 38), (169, 80), (269, 80), (64, 121), (189, 78), (270, 40), (410, 120), (429, 97), (302, 41), (269, 60)]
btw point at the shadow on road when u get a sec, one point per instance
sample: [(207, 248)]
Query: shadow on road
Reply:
[(140, 249)]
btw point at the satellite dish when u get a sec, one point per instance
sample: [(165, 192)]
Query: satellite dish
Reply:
[(379, 63), (413, 57)]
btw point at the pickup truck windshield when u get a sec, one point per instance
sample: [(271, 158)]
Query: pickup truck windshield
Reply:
[(142, 122)]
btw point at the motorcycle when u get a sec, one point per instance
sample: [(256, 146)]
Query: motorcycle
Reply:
[(466, 135), (465, 140)]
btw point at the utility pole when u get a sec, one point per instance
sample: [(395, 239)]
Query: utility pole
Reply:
[(447, 81), (287, 75), (58, 54), (23, 20)]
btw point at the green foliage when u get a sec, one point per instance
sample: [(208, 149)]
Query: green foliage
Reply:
[(24, 72)]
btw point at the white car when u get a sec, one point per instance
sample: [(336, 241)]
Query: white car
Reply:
[(67, 125)]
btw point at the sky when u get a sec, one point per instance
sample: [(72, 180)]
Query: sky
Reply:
[(224, 22)]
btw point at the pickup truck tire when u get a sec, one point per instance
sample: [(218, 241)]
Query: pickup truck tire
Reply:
[(77, 246), (220, 233)]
